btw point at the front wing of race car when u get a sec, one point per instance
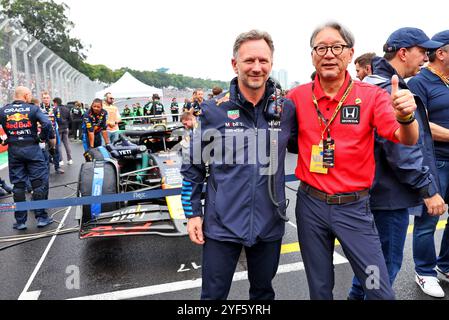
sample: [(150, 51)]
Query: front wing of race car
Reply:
[(142, 219)]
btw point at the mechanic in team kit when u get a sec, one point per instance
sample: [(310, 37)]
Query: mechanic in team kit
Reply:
[(95, 126), (25, 158), (241, 211)]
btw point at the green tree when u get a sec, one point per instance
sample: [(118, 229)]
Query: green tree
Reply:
[(47, 21)]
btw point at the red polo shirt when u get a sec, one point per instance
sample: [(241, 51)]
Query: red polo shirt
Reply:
[(367, 108)]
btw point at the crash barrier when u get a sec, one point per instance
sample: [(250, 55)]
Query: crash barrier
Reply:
[(25, 61), (121, 197)]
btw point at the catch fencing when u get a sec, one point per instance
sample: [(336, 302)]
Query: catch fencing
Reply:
[(24, 61)]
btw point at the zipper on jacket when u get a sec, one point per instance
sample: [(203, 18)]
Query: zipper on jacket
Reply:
[(256, 167), (254, 180)]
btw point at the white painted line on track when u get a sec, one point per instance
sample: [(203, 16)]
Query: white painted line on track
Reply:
[(189, 284), (25, 295)]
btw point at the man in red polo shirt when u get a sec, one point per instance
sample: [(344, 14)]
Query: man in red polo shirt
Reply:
[(337, 118)]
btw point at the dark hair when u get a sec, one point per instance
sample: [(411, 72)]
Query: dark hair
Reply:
[(365, 59), (390, 55), (347, 35), (252, 35), (58, 101), (433, 53), (216, 91), (96, 101)]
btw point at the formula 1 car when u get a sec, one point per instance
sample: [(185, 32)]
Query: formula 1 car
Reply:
[(141, 160), (147, 123)]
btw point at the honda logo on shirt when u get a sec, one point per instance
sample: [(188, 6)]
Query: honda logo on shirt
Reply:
[(350, 115)]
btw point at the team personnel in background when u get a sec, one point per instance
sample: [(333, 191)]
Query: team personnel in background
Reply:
[(363, 65), (333, 198), (406, 176), (174, 109), (238, 212), (4, 188), (53, 114), (64, 123), (95, 126), (188, 120), (113, 119), (432, 86), (154, 107), (197, 100), (46, 147), (186, 105), (138, 110), (76, 114), (193, 106), (126, 112), (25, 158), (216, 91)]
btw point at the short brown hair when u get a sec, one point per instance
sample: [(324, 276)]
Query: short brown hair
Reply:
[(216, 91), (365, 59), (186, 115), (252, 35), (35, 101)]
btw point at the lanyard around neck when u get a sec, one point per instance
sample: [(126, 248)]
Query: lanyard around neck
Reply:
[(439, 75), (321, 117)]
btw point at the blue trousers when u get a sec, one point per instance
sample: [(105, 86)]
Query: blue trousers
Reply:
[(424, 251), (220, 260), (27, 163), (392, 226), (319, 225)]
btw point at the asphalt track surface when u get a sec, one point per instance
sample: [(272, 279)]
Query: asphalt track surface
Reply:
[(149, 267)]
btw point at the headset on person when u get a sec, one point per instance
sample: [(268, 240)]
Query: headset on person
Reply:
[(274, 104), (273, 113)]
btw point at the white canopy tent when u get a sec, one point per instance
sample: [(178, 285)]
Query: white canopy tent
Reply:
[(128, 87)]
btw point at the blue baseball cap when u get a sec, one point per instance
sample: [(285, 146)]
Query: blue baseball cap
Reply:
[(409, 37), (442, 37)]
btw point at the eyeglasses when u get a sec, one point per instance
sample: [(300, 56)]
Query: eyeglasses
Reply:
[(336, 49)]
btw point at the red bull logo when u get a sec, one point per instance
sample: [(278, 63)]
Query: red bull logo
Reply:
[(19, 125), (17, 117)]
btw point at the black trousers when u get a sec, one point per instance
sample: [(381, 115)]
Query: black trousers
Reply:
[(219, 263)]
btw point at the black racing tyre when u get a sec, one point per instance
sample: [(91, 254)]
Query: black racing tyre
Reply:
[(109, 187), (94, 154)]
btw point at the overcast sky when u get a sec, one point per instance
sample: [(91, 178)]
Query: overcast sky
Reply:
[(195, 37)]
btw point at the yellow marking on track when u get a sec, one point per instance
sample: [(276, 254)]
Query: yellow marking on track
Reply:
[(294, 247)]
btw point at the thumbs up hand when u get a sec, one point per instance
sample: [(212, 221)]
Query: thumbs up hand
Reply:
[(394, 86), (403, 101)]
